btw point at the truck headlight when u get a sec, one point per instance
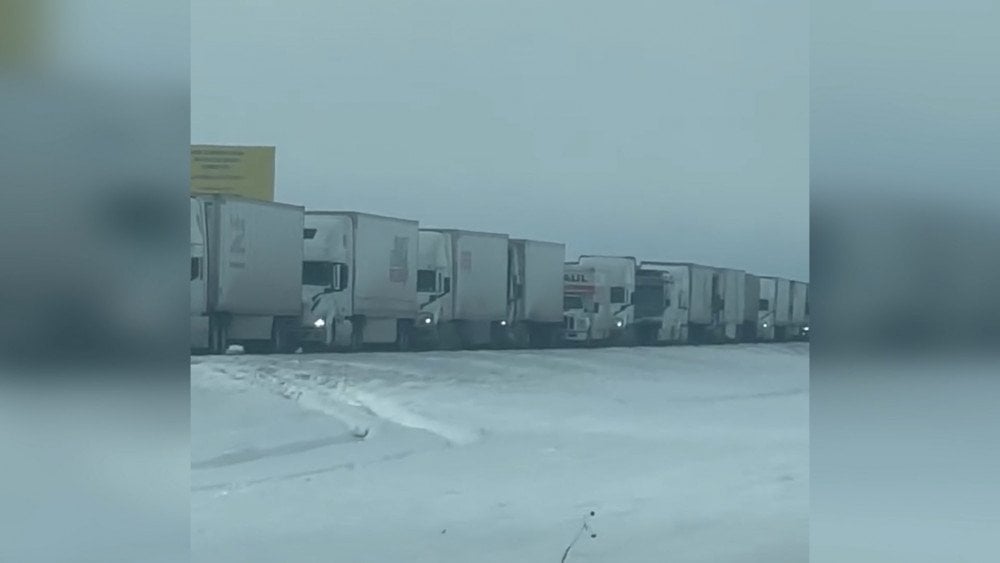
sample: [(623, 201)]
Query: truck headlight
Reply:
[(619, 323), (503, 323), (764, 325), (319, 323), (805, 329)]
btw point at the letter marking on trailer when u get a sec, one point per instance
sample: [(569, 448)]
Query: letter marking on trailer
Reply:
[(238, 246), (239, 227)]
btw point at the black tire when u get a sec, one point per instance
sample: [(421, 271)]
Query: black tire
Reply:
[(521, 336), (626, 337), (501, 337), (540, 337), (404, 335), (645, 335), (448, 337), (357, 335), (283, 339), (218, 339)]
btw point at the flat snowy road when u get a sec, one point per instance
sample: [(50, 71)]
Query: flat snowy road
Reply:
[(687, 454)]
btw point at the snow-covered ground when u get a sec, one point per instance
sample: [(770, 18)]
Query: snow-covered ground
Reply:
[(687, 454)]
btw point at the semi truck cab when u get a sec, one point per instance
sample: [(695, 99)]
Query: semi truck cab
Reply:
[(433, 281), (326, 281), (766, 309), (462, 298), (580, 302), (608, 314)]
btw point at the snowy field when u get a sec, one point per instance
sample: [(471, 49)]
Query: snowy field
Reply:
[(687, 454)]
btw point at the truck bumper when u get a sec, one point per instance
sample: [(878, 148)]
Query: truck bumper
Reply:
[(575, 335)]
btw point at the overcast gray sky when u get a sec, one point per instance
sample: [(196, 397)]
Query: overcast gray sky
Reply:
[(660, 129)]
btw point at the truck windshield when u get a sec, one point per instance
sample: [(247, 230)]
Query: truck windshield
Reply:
[(572, 302), (317, 273), (426, 281), (617, 294)]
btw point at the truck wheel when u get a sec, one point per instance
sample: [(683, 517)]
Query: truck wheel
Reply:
[(646, 335), (624, 338), (448, 337), (539, 337), (283, 338), (357, 335), (521, 336), (218, 341), (403, 335)]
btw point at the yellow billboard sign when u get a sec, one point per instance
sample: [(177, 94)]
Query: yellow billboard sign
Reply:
[(235, 170), (23, 30)]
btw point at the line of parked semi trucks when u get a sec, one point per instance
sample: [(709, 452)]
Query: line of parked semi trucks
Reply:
[(273, 277)]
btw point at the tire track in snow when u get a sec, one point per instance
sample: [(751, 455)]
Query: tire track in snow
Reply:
[(348, 466), (245, 455), (360, 409)]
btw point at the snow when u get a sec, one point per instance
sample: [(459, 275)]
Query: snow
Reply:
[(684, 454)]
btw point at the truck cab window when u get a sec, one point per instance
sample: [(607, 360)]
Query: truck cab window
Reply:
[(426, 281), (195, 268), (571, 302), (447, 285), (764, 305), (617, 294), (317, 273)]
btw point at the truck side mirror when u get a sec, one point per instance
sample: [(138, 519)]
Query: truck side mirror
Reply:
[(342, 277)]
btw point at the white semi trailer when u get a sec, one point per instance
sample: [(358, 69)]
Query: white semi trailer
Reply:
[(597, 301), (461, 288), (359, 280), (246, 274), (534, 293), (730, 294)]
